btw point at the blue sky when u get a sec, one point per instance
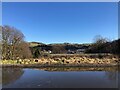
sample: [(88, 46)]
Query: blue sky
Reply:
[(62, 22)]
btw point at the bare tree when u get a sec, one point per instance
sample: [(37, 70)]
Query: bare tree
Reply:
[(12, 43), (6, 35), (23, 51), (98, 39), (100, 44)]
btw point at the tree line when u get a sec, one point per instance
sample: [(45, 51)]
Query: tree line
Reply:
[(13, 46), (104, 45)]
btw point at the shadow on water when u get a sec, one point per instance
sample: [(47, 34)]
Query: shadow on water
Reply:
[(10, 75)]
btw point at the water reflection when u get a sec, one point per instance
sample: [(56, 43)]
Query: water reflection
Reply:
[(112, 75), (10, 75), (62, 77), (110, 72), (52, 69)]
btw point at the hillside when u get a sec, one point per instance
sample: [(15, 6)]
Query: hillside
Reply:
[(108, 47), (33, 44), (64, 48)]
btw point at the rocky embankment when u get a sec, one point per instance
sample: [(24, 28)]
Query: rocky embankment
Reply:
[(67, 60)]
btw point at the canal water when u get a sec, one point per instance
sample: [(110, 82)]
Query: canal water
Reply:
[(63, 77)]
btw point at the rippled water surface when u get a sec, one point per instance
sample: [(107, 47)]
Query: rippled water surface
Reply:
[(77, 77)]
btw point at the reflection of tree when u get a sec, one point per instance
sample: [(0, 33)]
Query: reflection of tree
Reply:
[(112, 75), (10, 75), (0, 75), (79, 69)]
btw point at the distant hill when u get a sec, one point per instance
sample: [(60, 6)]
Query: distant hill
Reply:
[(33, 44), (65, 48), (114, 46), (57, 48), (61, 48)]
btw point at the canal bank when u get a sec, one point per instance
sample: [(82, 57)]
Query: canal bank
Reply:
[(67, 60)]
